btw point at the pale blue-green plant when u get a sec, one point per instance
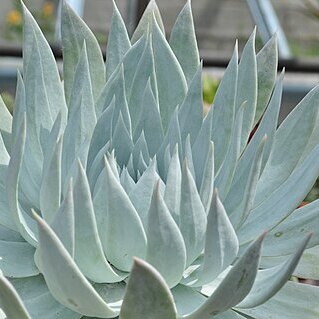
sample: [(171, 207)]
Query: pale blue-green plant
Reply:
[(120, 199)]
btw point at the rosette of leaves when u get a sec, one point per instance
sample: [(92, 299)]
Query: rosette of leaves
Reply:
[(120, 199)]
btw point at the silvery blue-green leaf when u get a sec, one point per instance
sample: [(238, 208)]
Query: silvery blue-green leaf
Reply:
[(221, 245), (19, 107), (144, 73), (267, 61), (188, 156), (282, 202), (150, 121), (224, 110), (140, 147), (144, 189), (147, 295), (147, 20), (8, 234), (294, 140), (267, 126), (240, 199), (141, 165), (118, 42), (207, 185), (186, 299), (38, 300), (64, 279), (226, 172), (102, 133), (300, 299), (115, 89), (34, 40), (127, 181), (183, 42), (285, 236), (4, 155), (113, 164), (82, 118), (63, 222), (10, 301), (201, 148), (190, 114), (50, 192), (236, 284), (166, 249), (121, 225), (171, 139), (23, 222), (172, 195), (88, 252), (16, 259), (130, 167), (247, 88), (74, 33), (269, 281), (170, 93), (192, 216), (122, 142)]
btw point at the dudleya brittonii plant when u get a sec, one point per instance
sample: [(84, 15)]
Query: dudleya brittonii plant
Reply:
[(122, 163)]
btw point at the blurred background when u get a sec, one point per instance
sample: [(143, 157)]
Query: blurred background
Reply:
[(218, 24)]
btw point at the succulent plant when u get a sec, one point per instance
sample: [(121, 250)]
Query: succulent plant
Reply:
[(123, 200)]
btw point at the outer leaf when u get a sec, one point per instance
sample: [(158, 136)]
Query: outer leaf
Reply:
[(170, 93), (147, 295), (166, 249), (236, 285), (270, 281), (10, 301), (118, 42), (65, 280), (147, 20), (183, 42), (5, 125), (74, 33), (300, 299), (267, 61)]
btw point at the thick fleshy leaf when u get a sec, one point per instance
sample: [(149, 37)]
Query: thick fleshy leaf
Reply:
[(295, 139), (5, 126), (147, 20), (33, 41), (38, 301), (166, 249), (224, 110), (221, 245), (282, 202), (269, 281), (74, 33), (118, 42), (300, 299), (147, 295), (207, 185), (183, 42), (16, 259), (192, 216), (236, 284), (190, 114), (24, 223), (10, 301), (88, 252), (150, 121), (170, 93), (247, 88), (122, 223), (127, 181), (172, 195), (267, 60), (63, 222), (140, 148), (239, 201), (64, 279)]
